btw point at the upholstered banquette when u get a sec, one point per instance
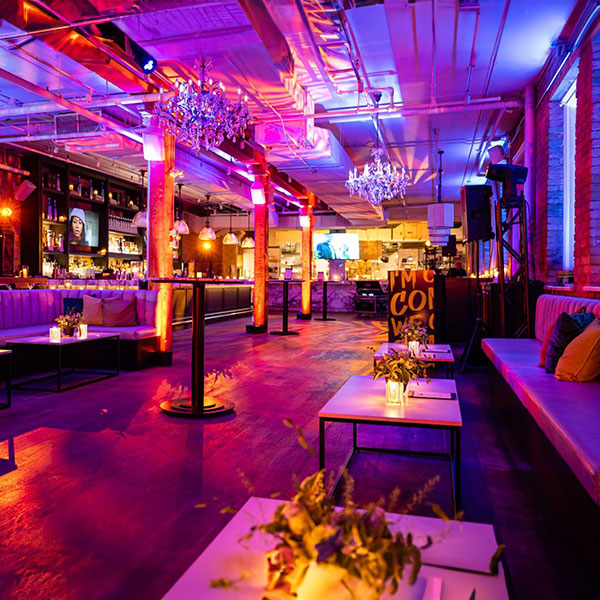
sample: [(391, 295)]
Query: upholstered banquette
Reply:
[(32, 312), (567, 412), (556, 422)]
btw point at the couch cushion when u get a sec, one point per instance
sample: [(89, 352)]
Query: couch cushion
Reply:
[(567, 328), (567, 412), (127, 333), (581, 359), (548, 308), (92, 310), (119, 313), (16, 332)]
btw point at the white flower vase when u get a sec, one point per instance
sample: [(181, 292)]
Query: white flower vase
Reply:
[(394, 392), (414, 348), (324, 582)]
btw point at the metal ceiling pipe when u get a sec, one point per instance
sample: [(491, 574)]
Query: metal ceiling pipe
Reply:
[(57, 137), (35, 89), (408, 111), (472, 58)]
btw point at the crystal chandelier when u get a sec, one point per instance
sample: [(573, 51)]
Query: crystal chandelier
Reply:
[(379, 180), (200, 115)]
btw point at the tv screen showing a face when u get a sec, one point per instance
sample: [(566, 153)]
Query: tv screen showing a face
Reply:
[(83, 227), (340, 246)]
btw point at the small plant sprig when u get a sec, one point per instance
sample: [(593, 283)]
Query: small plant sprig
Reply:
[(400, 367), (414, 331), (70, 320)]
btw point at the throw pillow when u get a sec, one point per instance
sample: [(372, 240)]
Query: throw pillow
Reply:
[(581, 359), (567, 328), (92, 310), (72, 305), (545, 345), (119, 313)]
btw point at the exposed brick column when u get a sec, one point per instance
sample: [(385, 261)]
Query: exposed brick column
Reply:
[(587, 168), (160, 254)]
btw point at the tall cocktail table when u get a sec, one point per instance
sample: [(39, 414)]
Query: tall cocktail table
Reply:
[(56, 350), (5, 358), (361, 401), (435, 353), (457, 560)]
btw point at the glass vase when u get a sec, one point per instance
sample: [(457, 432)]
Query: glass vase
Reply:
[(414, 348), (394, 392)]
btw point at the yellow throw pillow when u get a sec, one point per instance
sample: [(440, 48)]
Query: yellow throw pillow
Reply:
[(581, 359), (92, 310)]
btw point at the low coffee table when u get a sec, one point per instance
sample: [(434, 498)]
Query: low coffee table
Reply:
[(361, 401), (5, 357), (435, 353), (56, 351), (457, 560)]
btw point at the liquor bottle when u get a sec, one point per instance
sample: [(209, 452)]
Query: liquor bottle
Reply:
[(79, 185), (49, 243), (91, 190), (57, 185), (49, 213), (61, 242), (55, 213), (102, 190)]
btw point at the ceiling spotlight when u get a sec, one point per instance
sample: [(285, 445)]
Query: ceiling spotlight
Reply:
[(5, 211), (142, 59)]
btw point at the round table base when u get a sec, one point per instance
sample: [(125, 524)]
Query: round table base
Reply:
[(324, 319), (182, 407), (284, 333)]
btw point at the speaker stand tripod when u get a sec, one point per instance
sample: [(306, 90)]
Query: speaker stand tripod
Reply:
[(479, 326)]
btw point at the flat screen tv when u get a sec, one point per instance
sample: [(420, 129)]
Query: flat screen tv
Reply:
[(84, 227), (340, 246)]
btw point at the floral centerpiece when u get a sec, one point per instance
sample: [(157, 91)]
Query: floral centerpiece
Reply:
[(414, 334), (324, 552), (398, 368), (69, 323)]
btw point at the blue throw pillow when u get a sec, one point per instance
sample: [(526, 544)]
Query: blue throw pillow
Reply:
[(567, 328), (72, 305)]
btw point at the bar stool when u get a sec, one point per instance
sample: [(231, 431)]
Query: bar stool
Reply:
[(5, 356)]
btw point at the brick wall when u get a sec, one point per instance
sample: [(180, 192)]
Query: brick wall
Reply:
[(587, 168), (540, 229), (555, 193)]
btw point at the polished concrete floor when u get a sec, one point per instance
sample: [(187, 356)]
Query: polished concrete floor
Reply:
[(103, 496)]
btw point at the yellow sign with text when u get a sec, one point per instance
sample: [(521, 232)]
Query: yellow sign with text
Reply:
[(410, 296)]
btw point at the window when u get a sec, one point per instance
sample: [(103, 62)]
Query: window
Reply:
[(569, 103)]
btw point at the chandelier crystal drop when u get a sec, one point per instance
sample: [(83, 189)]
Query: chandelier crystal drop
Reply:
[(379, 180), (200, 115)]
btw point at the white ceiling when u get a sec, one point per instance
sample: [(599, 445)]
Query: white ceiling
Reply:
[(395, 42)]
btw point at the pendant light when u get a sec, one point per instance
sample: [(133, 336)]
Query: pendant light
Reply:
[(180, 226), (207, 233), (230, 238), (140, 218), (248, 241)]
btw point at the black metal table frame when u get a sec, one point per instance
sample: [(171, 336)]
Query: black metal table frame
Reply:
[(453, 455), (286, 311), (7, 376), (60, 372), (325, 317)]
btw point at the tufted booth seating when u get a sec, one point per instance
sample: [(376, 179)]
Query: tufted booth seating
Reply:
[(32, 312), (564, 416)]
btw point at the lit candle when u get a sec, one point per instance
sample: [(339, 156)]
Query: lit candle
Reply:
[(83, 331), (55, 334)]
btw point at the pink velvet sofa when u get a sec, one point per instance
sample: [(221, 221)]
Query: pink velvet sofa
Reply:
[(567, 412), (32, 312)]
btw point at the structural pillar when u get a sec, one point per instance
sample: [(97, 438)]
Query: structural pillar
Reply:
[(529, 162), (260, 310), (160, 253), (307, 223)]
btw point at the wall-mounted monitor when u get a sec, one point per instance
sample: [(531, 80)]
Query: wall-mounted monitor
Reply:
[(84, 226), (336, 246)]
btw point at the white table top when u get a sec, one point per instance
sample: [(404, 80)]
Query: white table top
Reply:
[(64, 340), (434, 352), (462, 545), (361, 398)]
